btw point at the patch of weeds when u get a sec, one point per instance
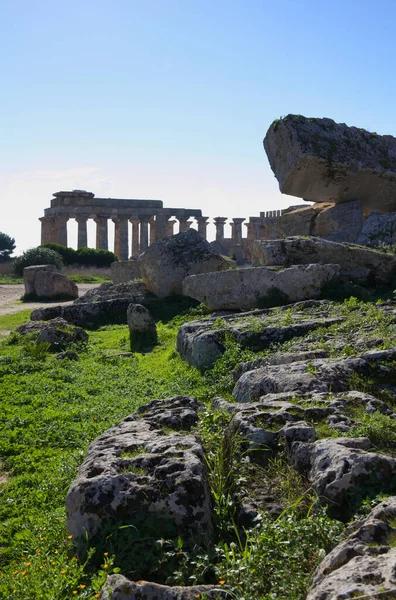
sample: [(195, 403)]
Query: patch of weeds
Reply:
[(133, 452), (379, 428), (288, 485), (36, 350), (134, 469), (219, 323)]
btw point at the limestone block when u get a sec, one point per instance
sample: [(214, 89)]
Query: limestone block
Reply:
[(247, 288), (378, 228), (167, 262), (339, 222), (358, 264), (139, 473), (50, 284), (30, 273), (119, 587), (124, 271), (322, 161), (142, 328)]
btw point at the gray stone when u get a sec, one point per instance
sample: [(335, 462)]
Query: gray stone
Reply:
[(142, 328), (120, 588), (52, 285), (167, 262), (57, 332), (123, 271), (358, 264), (138, 473), (30, 273), (321, 161), (364, 562), (378, 229), (339, 469), (202, 342), (249, 288), (135, 291)]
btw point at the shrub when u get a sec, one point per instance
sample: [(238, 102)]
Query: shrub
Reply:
[(37, 256), (88, 257)]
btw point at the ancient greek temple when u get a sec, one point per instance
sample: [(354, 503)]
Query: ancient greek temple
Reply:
[(150, 222)]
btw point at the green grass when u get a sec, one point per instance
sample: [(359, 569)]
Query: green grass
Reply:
[(81, 278), (10, 280)]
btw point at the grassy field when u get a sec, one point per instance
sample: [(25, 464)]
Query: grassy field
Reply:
[(51, 410)]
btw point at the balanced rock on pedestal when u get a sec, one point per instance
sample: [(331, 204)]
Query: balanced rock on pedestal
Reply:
[(321, 161)]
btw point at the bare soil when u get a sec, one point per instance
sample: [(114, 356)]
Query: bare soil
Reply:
[(10, 298)]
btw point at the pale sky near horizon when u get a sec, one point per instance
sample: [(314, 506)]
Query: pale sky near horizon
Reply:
[(171, 99)]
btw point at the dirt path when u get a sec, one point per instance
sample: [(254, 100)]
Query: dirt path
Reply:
[(10, 298)]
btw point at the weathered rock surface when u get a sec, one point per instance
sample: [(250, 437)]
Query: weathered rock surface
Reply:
[(378, 229), (202, 342), (120, 588), (136, 472), (360, 265), (322, 161), (142, 328), (167, 262), (125, 270), (305, 377), (248, 288), (54, 285), (30, 273), (335, 222), (341, 469), (132, 290), (57, 332), (363, 564)]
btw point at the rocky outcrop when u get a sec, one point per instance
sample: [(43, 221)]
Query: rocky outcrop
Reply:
[(378, 229), (322, 161), (125, 270), (363, 564), (58, 333), (142, 328), (250, 288), (306, 376), (202, 342), (360, 265), (45, 282), (132, 290), (120, 588), (167, 262), (140, 472)]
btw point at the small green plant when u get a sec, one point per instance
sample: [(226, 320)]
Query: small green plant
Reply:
[(219, 323), (379, 428), (36, 350)]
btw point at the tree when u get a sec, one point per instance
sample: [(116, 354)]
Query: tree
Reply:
[(7, 246)]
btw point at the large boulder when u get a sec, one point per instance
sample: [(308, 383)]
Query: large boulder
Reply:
[(363, 564), (167, 262), (125, 270), (141, 473), (135, 291), (378, 229), (254, 287), (43, 281), (58, 333), (361, 265), (322, 161), (30, 273)]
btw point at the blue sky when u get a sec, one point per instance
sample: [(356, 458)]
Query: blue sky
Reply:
[(171, 100)]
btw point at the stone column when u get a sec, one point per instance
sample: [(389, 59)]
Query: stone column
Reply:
[(144, 232), (102, 238), (121, 237), (170, 227), (237, 231), (202, 225), (60, 227), (47, 230), (184, 224), (135, 236), (219, 222), (82, 236), (152, 234), (161, 230)]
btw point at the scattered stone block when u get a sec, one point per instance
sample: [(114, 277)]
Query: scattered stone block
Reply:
[(250, 288), (139, 473), (167, 262), (57, 332), (30, 273), (125, 270), (321, 161), (142, 328), (361, 265), (43, 281)]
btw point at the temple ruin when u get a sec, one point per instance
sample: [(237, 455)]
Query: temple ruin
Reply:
[(150, 221)]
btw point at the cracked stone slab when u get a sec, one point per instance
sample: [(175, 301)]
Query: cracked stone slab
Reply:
[(142, 469), (364, 563)]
